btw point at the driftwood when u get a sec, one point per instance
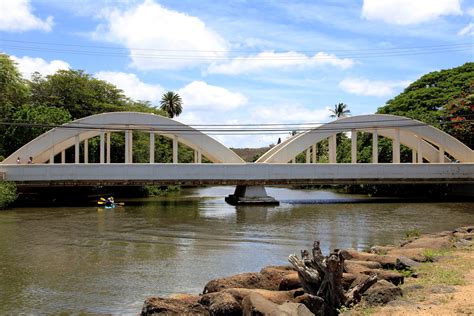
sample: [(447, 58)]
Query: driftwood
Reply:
[(322, 276)]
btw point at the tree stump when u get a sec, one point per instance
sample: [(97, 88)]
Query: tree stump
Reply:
[(322, 276)]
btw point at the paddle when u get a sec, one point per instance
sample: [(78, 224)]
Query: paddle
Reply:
[(116, 203)]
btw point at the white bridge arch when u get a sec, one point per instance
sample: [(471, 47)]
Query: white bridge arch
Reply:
[(424, 140), (46, 146)]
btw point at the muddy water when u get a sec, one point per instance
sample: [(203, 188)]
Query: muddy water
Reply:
[(84, 259)]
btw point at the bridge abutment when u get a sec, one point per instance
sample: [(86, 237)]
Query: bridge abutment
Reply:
[(250, 195)]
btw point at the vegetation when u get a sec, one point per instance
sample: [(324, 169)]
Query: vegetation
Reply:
[(171, 103), (340, 110), (8, 193)]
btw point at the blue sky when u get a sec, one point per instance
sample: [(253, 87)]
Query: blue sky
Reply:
[(244, 62)]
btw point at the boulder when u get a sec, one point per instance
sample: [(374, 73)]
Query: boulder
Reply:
[(315, 304), (239, 294), (290, 281), (381, 293), (347, 280), (171, 306), (355, 267), (416, 254), (255, 304), (380, 250), (430, 242), (268, 278), (387, 262), (221, 303), (388, 275), (404, 263), (188, 298)]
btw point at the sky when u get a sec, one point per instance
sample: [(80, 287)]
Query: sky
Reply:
[(244, 61)]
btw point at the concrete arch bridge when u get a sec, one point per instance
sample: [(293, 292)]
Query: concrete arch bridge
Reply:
[(433, 155)]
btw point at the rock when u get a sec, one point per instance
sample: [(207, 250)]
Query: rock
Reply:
[(430, 242), (381, 293), (315, 304), (404, 263), (188, 298), (278, 297), (442, 289), (269, 279), (387, 262), (171, 306), (224, 304), (465, 229), (463, 243), (347, 280), (356, 266), (380, 250), (290, 281), (466, 236), (415, 254), (413, 288), (255, 304), (388, 275)]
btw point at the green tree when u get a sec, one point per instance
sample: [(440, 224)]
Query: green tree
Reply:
[(340, 110), (171, 103), (31, 121)]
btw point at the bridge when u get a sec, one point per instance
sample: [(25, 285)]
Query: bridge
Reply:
[(436, 156)]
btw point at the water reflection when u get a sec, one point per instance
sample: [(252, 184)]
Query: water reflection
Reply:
[(107, 261)]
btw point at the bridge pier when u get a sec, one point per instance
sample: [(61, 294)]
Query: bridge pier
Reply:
[(250, 195)]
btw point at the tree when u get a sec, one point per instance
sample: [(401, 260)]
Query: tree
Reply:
[(340, 110), (171, 103)]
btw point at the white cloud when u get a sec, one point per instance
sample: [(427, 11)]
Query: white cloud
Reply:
[(361, 86), (470, 11), (404, 12), (28, 65), (133, 86), (17, 16), (467, 30), (159, 38), (200, 95), (270, 59)]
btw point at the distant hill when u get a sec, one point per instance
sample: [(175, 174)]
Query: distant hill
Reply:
[(250, 154)]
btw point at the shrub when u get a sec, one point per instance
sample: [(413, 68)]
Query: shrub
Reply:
[(8, 193)]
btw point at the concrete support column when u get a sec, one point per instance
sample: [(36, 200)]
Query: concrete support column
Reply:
[(152, 147), (308, 155), (413, 155), (130, 147), (293, 160), (420, 150), (199, 156), (102, 147), (353, 146), (51, 155), (332, 148), (375, 146), (175, 149), (108, 147), (315, 148), (252, 195), (195, 159), (396, 147), (441, 154), (63, 157), (76, 149), (86, 151), (127, 138)]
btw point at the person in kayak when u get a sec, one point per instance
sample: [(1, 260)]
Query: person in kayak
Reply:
[(109, 201)]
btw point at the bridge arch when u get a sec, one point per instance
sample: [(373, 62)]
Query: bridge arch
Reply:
[(430, 143), (56, 141)]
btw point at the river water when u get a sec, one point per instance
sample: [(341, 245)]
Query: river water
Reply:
[(84, 259)]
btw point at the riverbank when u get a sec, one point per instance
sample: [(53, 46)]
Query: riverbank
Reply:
[(429, 273)]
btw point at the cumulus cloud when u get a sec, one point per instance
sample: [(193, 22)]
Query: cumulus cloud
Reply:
[(133, 86), (28, 65), (361, 86), (159, 38), (467, 30), (17, 16), (270, 59), (200, 95), (404, 12)]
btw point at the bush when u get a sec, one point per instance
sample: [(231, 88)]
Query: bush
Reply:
[(8, 193)]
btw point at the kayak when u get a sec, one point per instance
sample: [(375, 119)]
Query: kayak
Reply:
[(110, 206)]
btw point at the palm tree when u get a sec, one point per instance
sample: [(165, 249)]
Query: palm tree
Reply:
[(340, 110), (171, 103)]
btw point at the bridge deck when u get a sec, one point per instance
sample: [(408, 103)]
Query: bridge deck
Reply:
[(233, 174)]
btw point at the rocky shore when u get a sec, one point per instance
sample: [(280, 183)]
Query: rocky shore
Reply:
[(284, 290)]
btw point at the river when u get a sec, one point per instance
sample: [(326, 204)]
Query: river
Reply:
[(84, 259)]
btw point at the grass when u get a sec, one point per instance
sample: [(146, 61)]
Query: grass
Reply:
[(412, 233)]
